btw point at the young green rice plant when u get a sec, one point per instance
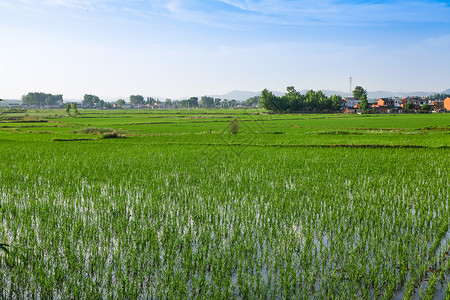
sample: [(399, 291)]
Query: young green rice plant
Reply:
[(431, 288), (131, 218), (447, 293)]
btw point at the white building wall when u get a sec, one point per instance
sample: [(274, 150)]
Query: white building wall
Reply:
[(352, 102), (397, 101)]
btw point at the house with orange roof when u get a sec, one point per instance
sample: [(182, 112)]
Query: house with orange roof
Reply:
[(385, 102), (383, 105), (446, 104)]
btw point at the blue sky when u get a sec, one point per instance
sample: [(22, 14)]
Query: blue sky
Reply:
[(174, 48)]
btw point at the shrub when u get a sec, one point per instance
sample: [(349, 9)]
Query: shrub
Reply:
[(234, 126)]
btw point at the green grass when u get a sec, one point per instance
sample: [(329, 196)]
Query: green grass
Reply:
[(182, 208), (199, 127)]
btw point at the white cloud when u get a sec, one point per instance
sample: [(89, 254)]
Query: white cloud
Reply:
[(237, 4), (441, 41), (332, 13), (173, 6), (252, 12), (153, 44)]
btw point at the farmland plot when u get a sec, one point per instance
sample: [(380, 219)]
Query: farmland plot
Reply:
[(167, 221), (203, 217)]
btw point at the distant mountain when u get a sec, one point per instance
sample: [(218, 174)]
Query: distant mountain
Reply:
[(330, 93), (7, 102), (244, 95), (237, 95), (385, 94)]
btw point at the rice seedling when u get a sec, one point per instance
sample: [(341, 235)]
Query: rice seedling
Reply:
[(175, 217)]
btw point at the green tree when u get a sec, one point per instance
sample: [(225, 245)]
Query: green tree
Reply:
[(312, 100), (67, 107), (120, 103), (438, 96), (193, 102), (225, 103), (207, 102), (321, 102), (90, 100), (217, 102), (183, 104), (409, 106), (137, 99), (42, 99), (336, 103), (358, 92), (252, 101), (426, 107), (364, 104), (75, 108), (189, 103), (293, 100), (269, 100)]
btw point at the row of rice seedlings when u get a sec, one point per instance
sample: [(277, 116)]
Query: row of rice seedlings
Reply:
[(447, 294), (167, 222), (423, 280), (441, 270)]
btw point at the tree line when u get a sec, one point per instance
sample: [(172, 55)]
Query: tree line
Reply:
[(206, 102), (291, 101), (442, 96), (89, 100), (294, 101), (192, 102), (42, 99)]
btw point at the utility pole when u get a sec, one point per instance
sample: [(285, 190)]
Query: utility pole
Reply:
[(351, 85)]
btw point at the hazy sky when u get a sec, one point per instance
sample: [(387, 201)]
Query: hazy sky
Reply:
[(181, 48)]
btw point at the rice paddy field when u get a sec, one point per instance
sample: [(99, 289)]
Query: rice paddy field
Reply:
[(170, 204)]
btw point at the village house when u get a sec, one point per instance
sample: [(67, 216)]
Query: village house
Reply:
[(352, 110), (385, 102), (446, 104), (417, 101), (436, 106), (397, 101), (351, 105), (351, 102), (383, 105)]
